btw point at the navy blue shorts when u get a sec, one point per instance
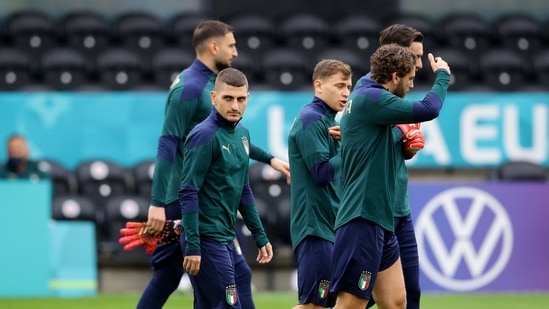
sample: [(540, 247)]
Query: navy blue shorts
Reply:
[(362, 249), (314, 258), (214, 286)]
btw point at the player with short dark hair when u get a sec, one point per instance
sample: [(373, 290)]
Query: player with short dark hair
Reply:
[(189, 103), (368, 254), (214, 187), (316, 165)]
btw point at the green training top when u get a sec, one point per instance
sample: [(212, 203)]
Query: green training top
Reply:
[(215, 184), (315, 165), (368, 147)]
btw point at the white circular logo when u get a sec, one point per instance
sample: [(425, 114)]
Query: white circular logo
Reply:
[(465, 238)]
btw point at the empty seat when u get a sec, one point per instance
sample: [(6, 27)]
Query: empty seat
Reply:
[(466, 31), (305, 32), (272, 198), (167, 63), (88, 31), (503, 69), (541, 68), (16, 69), (63, 180), (140, 31), (521, 171), (250, 64), (101, 179), (73, 207), (253, 32), (30, 30), (64, 68), (119, 68), (518, 31), (359, 65), (286, 68), (358, 33), (463, 68)]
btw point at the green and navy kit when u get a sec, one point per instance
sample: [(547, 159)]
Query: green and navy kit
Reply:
[(316, 165), (215, 184), (188, 104), (368, 147)]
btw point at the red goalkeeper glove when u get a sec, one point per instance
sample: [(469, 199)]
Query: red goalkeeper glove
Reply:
[(136, 234), (413, 139)]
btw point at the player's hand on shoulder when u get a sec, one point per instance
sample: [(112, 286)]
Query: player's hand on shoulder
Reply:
[(438, 63), (265, 254), (156, 219)]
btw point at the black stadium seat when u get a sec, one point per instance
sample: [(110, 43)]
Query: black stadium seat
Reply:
[(64, 68), (503, 69), (465, 31), (63, 180), (119, 68), (286, 68), (139, 31), (73, 207), (16, 69), (253, 32), (88, 31), (304, 32), (30, 30), (167, 63), (358, 33)]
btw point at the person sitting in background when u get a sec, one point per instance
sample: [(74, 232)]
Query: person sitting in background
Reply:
[(18, 165)]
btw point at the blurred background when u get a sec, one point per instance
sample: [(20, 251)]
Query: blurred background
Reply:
[(85, 83)]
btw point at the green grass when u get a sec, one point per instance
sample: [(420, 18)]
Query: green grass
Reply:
[(282, 301)]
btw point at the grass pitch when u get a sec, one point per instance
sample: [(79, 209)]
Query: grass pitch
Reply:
[(282, 301)]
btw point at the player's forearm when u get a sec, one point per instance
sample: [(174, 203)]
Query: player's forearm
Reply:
[(260, 155)]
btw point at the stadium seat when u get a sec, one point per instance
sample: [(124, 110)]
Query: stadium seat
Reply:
[(503, 69), (359, 65), (64, 68), (466, 31), (119, 68), (16, 69), (250, 64), (358, 33), (73, 207), (463, 68), (541, 68), (253, 33), (119, 210), (181, 28), (167, 63), (63, 180), (521, 171), (31, 30), (304, 32), (140, 31), (286, 68), (101, 179), (88, 31), (272, 197), (519, 31)]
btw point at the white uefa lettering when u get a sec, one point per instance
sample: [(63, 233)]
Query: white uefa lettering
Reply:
[(442, 253), (512, 130), (276, 134), (474, 128)]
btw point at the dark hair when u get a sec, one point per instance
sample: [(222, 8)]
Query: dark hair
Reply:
[(391, 58), (400, 34), (208, 29), (231, 77), (328, 67)]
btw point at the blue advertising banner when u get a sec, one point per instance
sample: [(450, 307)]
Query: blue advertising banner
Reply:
[(482, 237), (473, 130)]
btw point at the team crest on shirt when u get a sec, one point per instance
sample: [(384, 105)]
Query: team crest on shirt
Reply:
[(246, 144), (230, 295), (323, 289), (364, 280)]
